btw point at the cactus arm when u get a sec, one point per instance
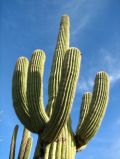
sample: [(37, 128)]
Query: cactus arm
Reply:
[(35, 90), (19, 83), (86, 100), (55, 76), (85, 106), (26, 135), (60, 116), (96, 111), (28, 148), (13, 143)]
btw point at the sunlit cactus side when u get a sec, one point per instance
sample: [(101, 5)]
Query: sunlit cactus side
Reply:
[(28, 149), (13, 143), (56, 139), (24, 143), (25, 147)]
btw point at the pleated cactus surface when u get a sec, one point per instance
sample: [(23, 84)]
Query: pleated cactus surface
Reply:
[(56, 139), (25, 146)]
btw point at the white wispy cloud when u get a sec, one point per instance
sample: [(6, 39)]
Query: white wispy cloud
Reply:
[(1, 139), (1, 112), (112, 63), (108, 146), (84, 12), (113, 152), (115, 76), (84, 21), (118, 122), (85, 85)]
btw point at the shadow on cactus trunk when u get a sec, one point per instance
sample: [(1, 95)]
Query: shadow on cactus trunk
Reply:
[(56, 139)]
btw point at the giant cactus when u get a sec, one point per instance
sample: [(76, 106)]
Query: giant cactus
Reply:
[(53, 125)]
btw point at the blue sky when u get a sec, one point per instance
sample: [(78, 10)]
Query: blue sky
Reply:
[(95, 30)]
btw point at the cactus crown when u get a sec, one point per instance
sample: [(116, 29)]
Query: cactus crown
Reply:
[(51, 123)]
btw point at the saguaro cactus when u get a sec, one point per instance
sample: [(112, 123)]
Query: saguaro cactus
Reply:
[(53, 125), (25, 147)]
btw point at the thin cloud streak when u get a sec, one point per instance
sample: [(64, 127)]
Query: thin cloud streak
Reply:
[(112, 64), (118, 122), (1, 139), (111, 142), (84, 21), (85, 85), (115, 76), (84, 11), (1, 112), (109, 63)]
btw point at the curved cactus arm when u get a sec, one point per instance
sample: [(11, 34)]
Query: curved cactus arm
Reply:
[(55, 76), (25, 137), (28, 148), (85, 105), (13, 143), (19, 84), (35, 90), (96, 111), (60, 116)]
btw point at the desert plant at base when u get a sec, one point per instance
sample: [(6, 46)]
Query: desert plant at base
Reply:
[(56, 139)]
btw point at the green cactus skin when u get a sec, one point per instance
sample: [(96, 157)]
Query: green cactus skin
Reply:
[(35, 90), (86, 100), (19, 89), (25, 147), (25, 137), (28, 148), (56, 139), (13, 143)]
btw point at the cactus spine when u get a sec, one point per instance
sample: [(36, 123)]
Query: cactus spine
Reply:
[(25, 147), (53, 125)]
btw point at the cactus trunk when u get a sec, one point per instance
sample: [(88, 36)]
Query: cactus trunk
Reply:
[(63, 148)]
